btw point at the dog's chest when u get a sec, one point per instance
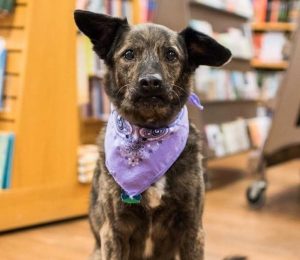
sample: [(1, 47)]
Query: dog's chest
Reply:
[(155, 192)]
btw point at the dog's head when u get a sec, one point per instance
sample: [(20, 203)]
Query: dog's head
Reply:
[(149, 65)]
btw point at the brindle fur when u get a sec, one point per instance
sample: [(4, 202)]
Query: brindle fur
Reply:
[(175, 224)]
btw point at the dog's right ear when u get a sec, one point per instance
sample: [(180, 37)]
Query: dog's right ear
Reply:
[(101, 29)]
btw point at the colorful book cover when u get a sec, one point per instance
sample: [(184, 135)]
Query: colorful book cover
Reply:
[(215, 139), (275, 11), (129, 9), (151, 10), (106, 102), (260, 10), (6, 6), (136, 7), (230, 140), (3, 54), (9, 161), (6, 154), (95, 97)]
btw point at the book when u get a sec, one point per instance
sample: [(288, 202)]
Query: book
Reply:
[(215, 139), (95, 97), (272, 45), (241, 132), (6, 6), (230, 137), (6, 158), (3, 56), (294, 13), (275, 8), (260, 10)]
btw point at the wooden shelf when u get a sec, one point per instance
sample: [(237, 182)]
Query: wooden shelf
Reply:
[(282, 65), (239, 64), (229, 101), (93, 120), (212, 157), (268, 26)]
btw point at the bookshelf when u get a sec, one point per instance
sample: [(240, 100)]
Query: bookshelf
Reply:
[(258, 64), (272, 21), (41, 109)]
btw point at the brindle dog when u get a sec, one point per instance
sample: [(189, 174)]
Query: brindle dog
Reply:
[(149, 75)]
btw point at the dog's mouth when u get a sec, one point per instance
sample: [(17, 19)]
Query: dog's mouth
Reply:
[(150, 99)]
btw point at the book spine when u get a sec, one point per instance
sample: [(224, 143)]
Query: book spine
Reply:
[(9, 162), (3, 57)]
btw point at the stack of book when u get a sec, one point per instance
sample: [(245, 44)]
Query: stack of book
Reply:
[(237, 136), (6, 157), (227, 138), (87, 162), (269, 46), (217, 84), (276, 10), (3, 54)]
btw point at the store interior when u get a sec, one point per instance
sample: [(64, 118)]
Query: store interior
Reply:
[(53, 106)]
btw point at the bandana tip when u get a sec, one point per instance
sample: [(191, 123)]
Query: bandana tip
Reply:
[(194, 100)]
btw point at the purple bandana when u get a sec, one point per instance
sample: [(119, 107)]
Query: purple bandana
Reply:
[(137, 157)]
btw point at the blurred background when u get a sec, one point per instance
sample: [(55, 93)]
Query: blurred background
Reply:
[(53, 105)]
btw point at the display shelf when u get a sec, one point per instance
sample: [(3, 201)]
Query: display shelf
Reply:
[(238, 64), (228, 101), (269, 26), (258, 64), (211, 156)]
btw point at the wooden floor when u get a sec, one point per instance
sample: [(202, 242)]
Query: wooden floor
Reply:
[(272, 233)]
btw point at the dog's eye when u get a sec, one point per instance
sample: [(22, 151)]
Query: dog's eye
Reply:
[(129, 55), (171, 55)]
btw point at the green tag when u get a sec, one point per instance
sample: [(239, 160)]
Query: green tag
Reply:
[(128, 200)]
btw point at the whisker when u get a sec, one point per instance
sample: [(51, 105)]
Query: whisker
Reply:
[(172, 91), (126, 85), (181, 88)]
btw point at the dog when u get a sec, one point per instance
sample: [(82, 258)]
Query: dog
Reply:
[(148, 81)]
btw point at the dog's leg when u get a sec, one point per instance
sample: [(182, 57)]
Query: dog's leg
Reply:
[(137, 244), (113, 247), (192, 246)]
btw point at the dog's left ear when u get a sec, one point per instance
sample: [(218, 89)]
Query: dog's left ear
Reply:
[(204, 50), (101, 29)]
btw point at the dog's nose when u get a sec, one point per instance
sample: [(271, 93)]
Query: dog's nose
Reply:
[(151, 84)]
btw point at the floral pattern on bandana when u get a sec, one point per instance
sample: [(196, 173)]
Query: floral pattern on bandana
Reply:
[(137, 144)]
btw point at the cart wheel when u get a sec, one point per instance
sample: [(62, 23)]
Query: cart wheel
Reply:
[(256, 194)]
